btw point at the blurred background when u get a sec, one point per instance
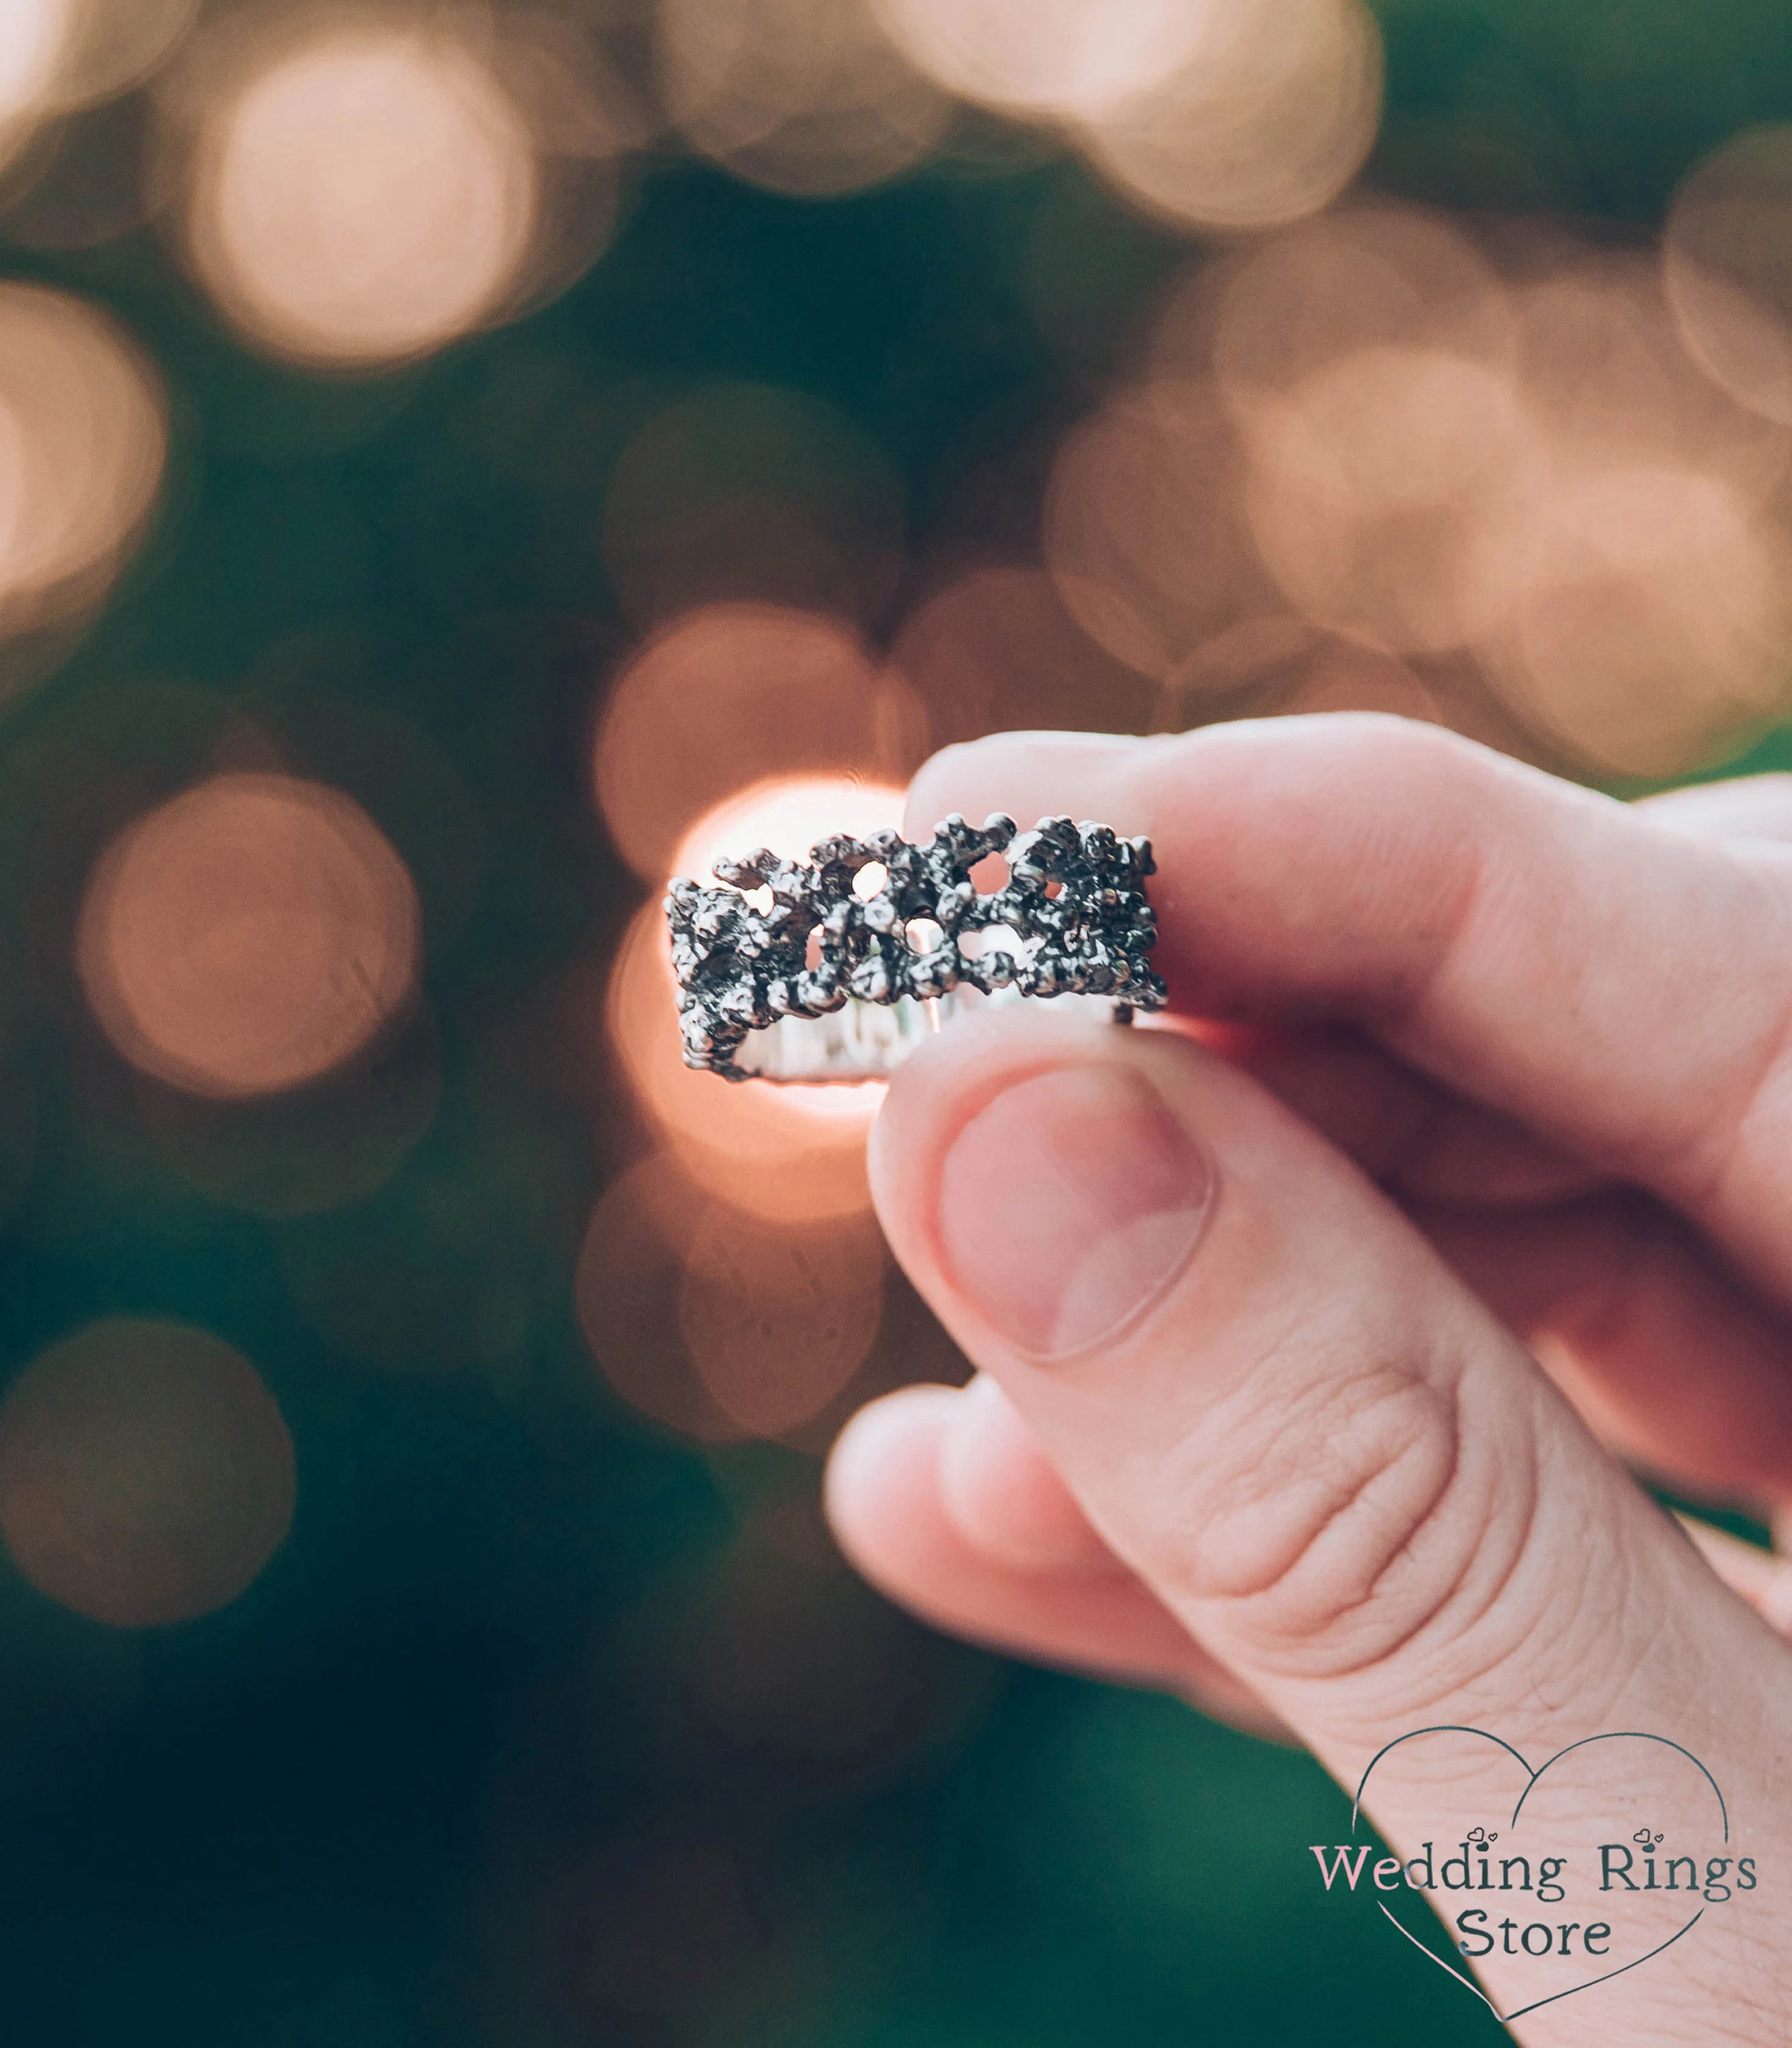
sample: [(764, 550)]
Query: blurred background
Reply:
[(461, 466)]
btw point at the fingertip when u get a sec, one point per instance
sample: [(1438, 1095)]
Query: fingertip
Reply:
[(968, 1455), (1004, 1495), (882, 1475), (886, 1501)]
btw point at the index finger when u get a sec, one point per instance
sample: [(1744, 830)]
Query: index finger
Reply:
[(1624, 989)]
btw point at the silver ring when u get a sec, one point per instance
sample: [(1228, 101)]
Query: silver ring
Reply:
[(823, 984)]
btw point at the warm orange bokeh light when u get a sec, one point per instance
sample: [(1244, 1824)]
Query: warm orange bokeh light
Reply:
[(1277, 663), (626, 1294), (34, 35), (1267, 119), (1654, 622), (1384, 492), (788, 813), (1607, 374), (363, 196), (731, 695), (1234, 114), (1727, 261), (803, 96), (1334, 426), (249, 935), (779, 1151), (1647, 632), (83, 440), (107, 46), (1512, 471), (719, 1324), (1053, 59), (1360, 276), (1143, 533), (146, 1474), (778, 1317)]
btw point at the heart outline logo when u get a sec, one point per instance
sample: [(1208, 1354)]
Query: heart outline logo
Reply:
[(1531, 1780)]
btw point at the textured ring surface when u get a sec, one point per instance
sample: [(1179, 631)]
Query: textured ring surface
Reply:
[(1071, 919)]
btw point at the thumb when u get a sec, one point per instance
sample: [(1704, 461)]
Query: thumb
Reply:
[(1348, 1482)]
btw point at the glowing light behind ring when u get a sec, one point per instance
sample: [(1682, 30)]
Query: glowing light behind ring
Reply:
[(729, 696), (789, 1152), (788, 814)]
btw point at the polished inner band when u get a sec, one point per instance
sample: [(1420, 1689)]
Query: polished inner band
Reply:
[(864, 1042), (794, 972)]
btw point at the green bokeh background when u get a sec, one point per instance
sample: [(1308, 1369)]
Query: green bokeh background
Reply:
[(424, 1782)]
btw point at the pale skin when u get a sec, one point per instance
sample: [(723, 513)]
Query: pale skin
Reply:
[(1319, 1334)]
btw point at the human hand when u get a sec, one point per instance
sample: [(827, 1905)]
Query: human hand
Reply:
[(1506, 1075)]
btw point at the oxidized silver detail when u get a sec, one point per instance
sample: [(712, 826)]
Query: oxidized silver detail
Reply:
[(743, 970)]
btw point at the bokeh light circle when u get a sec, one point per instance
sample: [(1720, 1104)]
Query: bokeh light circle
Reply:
[(732, 694), (146, 1474), (1608, 376), (625, 1295), (363, 196), (83, 443), (802, 96), (776, 1318), (719, 1324), (34, 36), (1653, 629), (1359, 276), (1063, 59), (107, 46), (1142, 530), (1266, 121), (1383, 490), (248, 936), (1727, 266)]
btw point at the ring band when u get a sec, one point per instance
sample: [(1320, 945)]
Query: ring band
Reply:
[(820, 983)]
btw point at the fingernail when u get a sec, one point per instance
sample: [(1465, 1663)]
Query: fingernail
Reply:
[(1068, 1205)]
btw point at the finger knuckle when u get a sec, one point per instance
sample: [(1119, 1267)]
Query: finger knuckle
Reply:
[(1330, 1530)]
